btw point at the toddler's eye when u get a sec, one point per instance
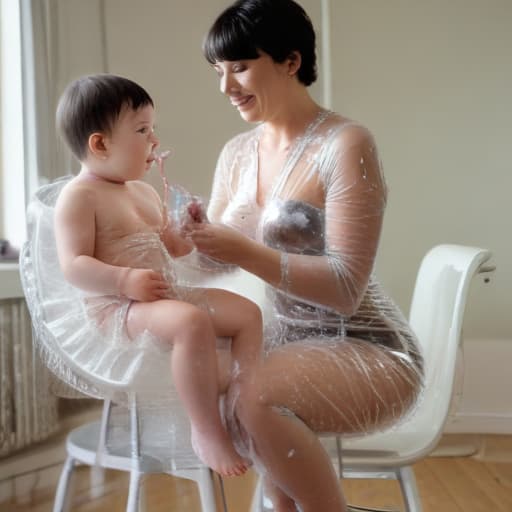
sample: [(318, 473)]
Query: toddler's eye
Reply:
[(142, 130)]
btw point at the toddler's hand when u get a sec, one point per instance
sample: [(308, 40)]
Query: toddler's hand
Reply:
[(144, 285)]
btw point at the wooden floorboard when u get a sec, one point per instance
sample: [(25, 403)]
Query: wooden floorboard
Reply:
[(433, 493), (460, 485), (446, 484)]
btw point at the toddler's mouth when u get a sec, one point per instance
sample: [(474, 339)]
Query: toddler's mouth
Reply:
[(158, 157)]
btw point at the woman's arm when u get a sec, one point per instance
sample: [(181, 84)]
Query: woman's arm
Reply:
[(221, 190), (355, 198), (354, 204)]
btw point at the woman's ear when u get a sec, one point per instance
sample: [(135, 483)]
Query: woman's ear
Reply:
[(294, 62), (98, 145)]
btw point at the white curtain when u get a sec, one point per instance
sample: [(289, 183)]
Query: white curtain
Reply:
[(61, 40)]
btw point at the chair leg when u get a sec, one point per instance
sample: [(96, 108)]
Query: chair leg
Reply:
[(133, 491), (405, 476), (257, 497), (222, 493), (59, 505), (206, 490)]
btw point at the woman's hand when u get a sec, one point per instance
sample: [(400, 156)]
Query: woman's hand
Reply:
[(219, 241)]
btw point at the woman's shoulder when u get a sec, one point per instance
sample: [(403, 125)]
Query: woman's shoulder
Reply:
[(241, 140), (345, 132)]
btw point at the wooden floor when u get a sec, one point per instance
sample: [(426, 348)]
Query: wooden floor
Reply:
[(446, 484)]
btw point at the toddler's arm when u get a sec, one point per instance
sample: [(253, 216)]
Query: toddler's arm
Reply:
[(176, 244), (75, 236)]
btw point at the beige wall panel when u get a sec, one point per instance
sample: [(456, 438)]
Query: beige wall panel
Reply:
[(433, 80)]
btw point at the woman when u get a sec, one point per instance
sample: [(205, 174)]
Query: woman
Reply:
[(299, 202)]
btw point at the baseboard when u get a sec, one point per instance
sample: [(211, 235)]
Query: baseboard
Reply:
[(480, 423)]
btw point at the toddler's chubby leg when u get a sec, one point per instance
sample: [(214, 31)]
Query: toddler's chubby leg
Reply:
[(194, 368)]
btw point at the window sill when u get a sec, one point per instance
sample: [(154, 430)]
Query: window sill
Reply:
[(10, 279)]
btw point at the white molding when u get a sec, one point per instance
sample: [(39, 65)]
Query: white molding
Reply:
[(326, 54), (10, 287), (479, 423)]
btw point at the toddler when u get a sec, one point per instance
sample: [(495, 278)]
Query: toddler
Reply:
[(115, 241)]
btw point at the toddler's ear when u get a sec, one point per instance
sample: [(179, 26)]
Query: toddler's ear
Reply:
[(97, 145)]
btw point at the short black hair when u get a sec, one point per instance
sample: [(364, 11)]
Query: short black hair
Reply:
[(93, 104), (276, 27)]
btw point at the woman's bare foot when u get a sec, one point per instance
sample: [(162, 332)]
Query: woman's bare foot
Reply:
[(218, 453)]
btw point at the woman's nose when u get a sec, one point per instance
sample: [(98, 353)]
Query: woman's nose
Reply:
[(227, 84)]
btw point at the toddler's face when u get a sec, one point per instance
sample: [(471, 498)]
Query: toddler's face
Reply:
[(132, 143)]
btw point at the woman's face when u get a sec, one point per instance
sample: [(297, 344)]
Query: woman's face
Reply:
[(256, 87)]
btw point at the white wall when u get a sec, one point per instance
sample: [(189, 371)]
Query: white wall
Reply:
[(161, 49), (433, 80), (1, 138)]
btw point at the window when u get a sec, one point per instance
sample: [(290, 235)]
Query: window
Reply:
[(12, 161)]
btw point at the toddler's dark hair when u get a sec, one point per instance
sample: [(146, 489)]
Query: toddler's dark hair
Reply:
[(93, 104)]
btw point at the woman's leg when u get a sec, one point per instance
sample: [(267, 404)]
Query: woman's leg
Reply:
[(239, 318), (300, 389), (194, 369)]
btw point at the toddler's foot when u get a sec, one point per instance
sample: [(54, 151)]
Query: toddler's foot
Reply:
[(218, 454)]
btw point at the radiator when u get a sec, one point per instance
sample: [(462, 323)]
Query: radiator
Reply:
[(28, 410)]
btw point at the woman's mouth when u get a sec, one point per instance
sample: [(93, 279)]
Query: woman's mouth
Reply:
[(242, 101)]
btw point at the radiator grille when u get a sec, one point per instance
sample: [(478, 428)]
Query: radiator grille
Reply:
[(28, 410)]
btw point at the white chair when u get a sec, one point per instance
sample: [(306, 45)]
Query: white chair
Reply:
[(90, 444), (117, 441), (436, 316)]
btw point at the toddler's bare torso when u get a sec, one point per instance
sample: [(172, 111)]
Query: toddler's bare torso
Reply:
[(124, 212)]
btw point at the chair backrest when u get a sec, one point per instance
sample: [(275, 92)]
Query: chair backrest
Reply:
[(39, 273), (436, 316), (66, 351)]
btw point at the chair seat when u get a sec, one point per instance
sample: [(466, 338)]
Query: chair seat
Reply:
[(82, 444), (402, 445)]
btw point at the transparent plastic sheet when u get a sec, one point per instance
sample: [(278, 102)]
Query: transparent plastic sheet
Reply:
[(82, 338), (323, 214)]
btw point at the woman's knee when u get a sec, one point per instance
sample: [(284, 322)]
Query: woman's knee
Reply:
[(252, 401)]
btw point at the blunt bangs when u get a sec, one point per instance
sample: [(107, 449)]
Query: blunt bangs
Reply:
[(230, 39), (251, 27)]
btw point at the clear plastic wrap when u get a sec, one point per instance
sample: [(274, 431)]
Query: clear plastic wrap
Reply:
[(355, 366), (82, 337)]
